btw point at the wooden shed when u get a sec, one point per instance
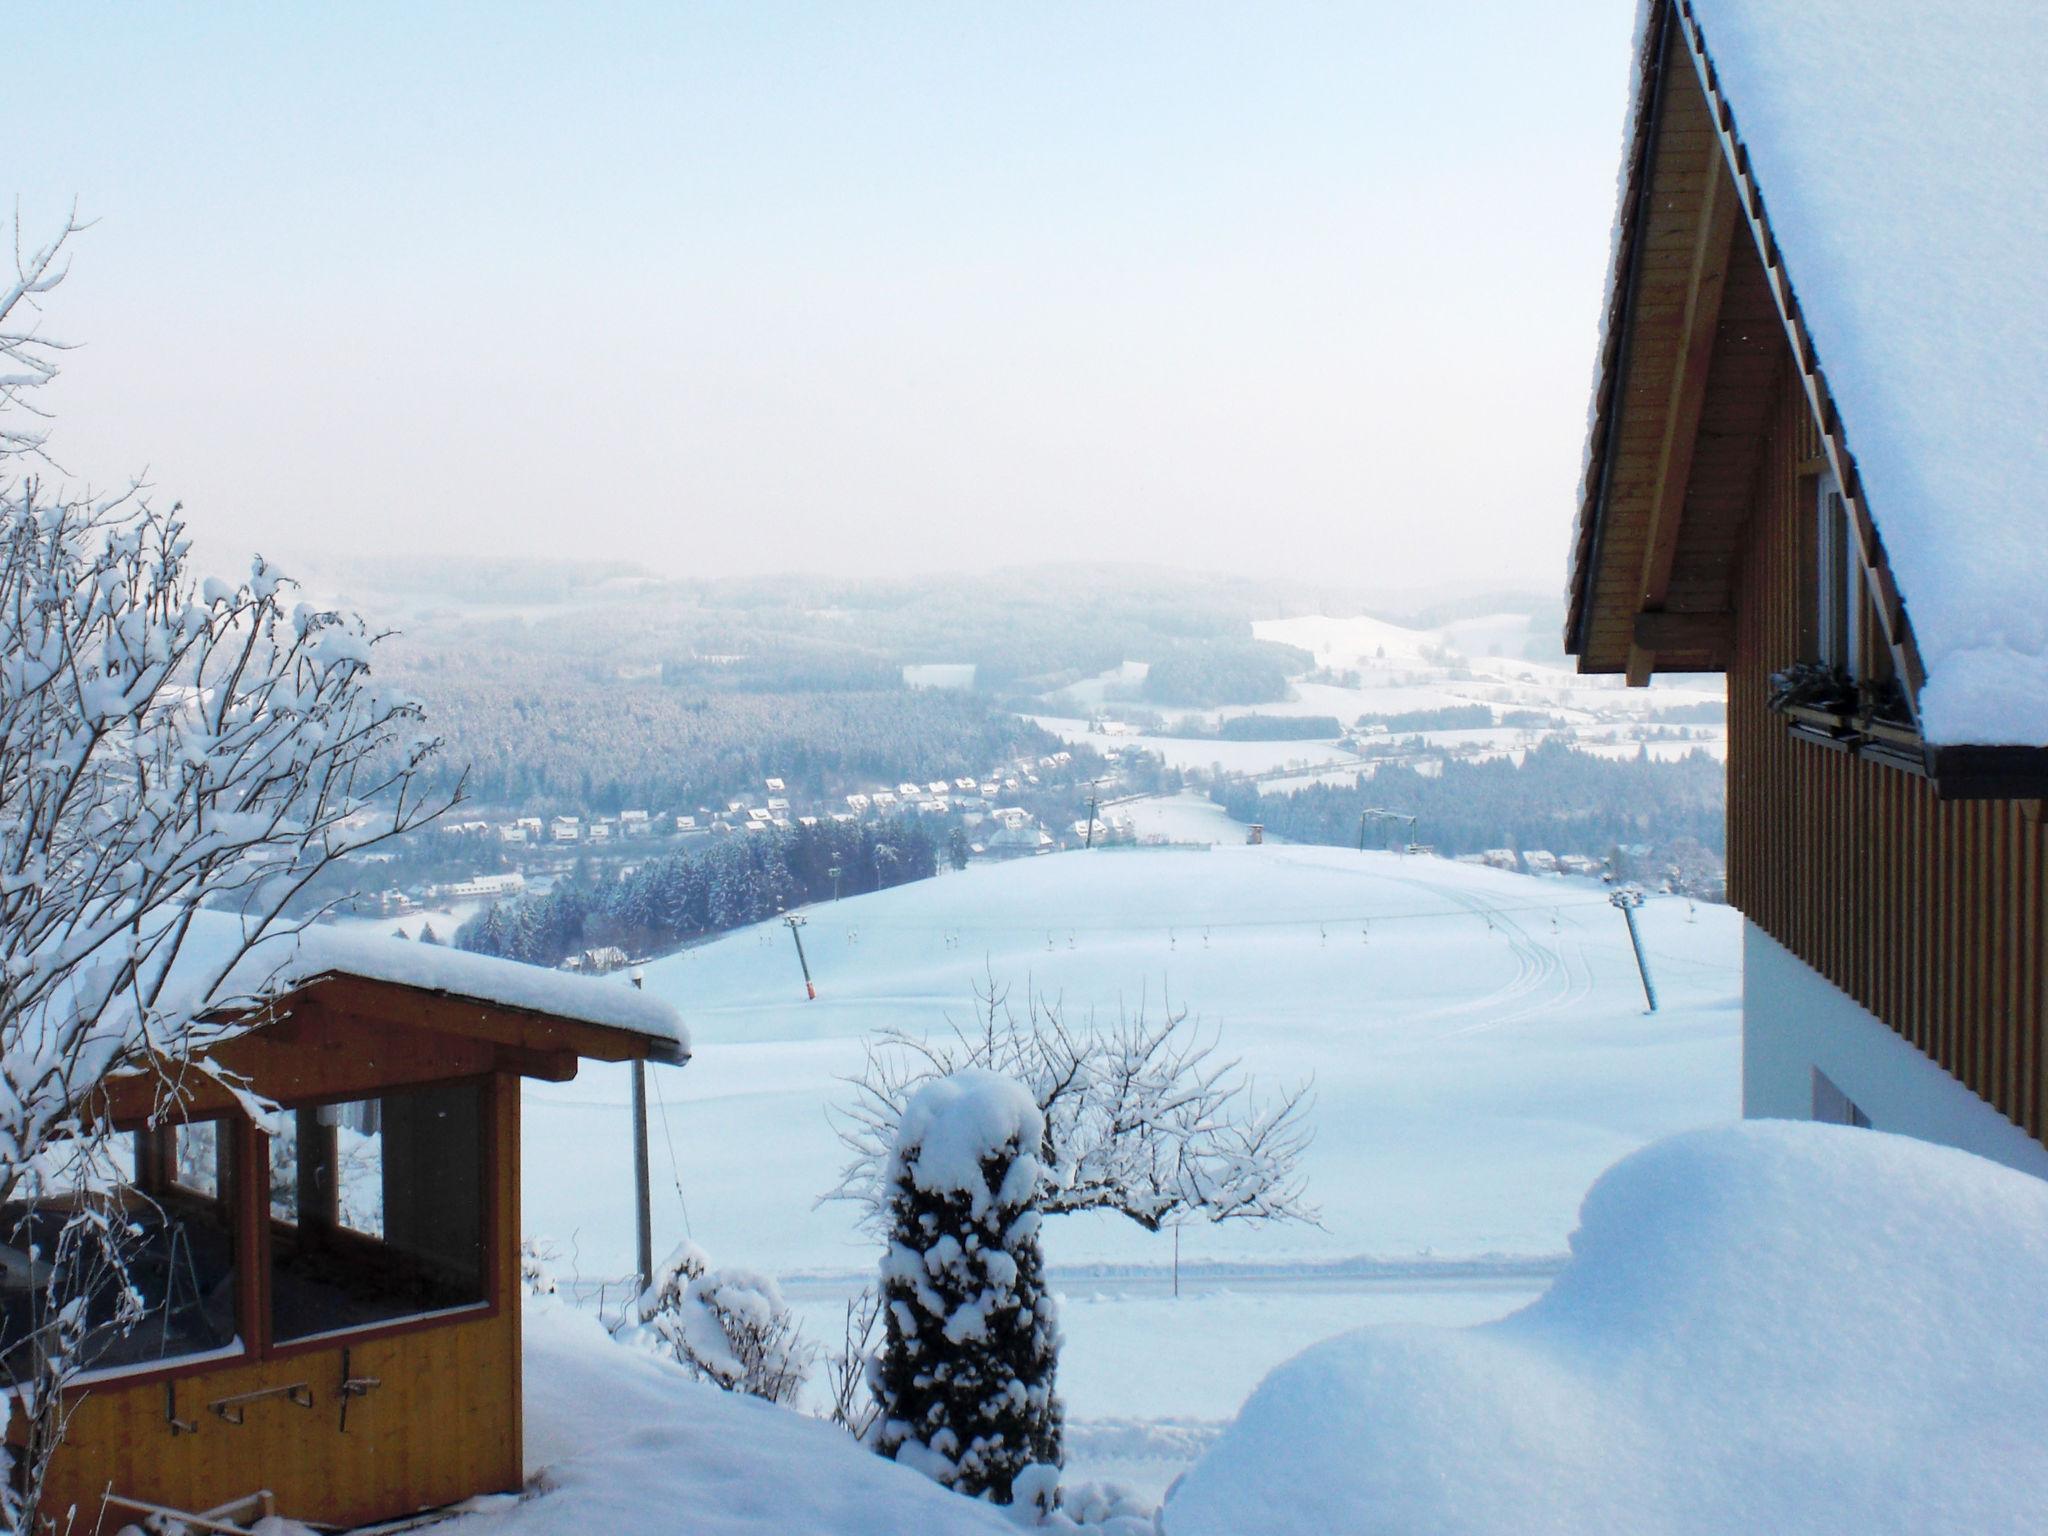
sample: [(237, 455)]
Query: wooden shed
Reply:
[(1817, 464), (334, 1303)]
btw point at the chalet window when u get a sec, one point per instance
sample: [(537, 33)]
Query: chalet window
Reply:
[(1838, 573), (172, 1253), (377, 1210)]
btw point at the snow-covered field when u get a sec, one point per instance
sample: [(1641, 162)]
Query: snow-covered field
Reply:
[(1476, 1041), (1398, 671)]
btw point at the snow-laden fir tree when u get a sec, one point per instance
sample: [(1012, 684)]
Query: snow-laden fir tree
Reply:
[(965, 1376)]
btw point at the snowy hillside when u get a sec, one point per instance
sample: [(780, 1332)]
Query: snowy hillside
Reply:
[(1477, 1043), (1384, 669)]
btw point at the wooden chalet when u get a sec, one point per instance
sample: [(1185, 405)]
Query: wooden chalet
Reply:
[(333, 1306), (1806, 469)]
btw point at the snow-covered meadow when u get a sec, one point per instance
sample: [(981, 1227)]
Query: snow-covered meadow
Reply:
[(1476, 1040)]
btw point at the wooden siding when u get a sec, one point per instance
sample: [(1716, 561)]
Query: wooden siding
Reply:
[(444, 1422), (1928, 912)]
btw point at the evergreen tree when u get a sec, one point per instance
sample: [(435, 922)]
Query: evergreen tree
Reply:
[(965, 1378), (427, 934), (956, 847)]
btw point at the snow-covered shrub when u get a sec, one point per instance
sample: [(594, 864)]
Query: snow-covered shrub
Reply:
[(729, 1327), (965, 1378), (537, 1266)]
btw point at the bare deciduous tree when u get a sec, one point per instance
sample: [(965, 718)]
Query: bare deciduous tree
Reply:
[(166, 744), (1143, 1115)]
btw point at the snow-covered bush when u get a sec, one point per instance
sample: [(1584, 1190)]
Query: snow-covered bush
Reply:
[(166, 744), (1140, 1116), (965, 1377), (729, 1327), (537, 1259)]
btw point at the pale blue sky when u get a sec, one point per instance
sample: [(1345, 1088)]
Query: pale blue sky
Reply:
[(1295, 288)]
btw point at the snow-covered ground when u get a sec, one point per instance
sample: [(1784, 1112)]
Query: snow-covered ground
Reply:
[(624, 1444), (1476, 1041)]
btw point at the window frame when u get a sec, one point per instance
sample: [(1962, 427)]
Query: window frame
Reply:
[(246, 1348), (252, 1245), (488, 1240)]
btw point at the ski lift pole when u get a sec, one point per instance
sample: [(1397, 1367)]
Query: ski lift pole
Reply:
[(795, 924), (1628, 899)]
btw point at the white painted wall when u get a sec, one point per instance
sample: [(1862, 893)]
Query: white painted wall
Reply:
[(1795, 1021)]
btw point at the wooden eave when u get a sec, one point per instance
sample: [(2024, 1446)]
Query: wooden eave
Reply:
[(1655, 520)]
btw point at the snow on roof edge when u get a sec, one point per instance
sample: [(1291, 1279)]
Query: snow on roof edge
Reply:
[(1905, 198), (287, 959)]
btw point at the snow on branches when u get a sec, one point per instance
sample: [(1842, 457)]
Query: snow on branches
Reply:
[(163, 743), (1140, 1116)]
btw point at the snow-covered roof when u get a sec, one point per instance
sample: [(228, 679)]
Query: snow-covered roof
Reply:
[(282, 961), (1901, 152)]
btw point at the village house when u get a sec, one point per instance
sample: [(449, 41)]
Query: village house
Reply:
[(566, 829), (1814, 465), (482, 887), (635, 824), (336, 1301)]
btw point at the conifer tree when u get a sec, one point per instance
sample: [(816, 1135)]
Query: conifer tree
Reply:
[(965, 1377)]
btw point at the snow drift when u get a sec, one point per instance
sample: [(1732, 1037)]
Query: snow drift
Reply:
[(1764, 1327)]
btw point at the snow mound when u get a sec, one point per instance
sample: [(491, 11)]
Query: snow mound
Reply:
[(626, 1444), (954, 1125), (1764, 1327)]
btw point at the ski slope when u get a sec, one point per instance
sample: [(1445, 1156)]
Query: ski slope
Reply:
[(1477, 1043)]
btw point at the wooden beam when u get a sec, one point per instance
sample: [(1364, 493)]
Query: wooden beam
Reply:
[(1688, 632), (1706, 282)]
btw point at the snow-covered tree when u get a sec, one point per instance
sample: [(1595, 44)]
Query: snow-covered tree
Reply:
[(165, 744), (965, 1376), (1140, 1116), (729, 1327)]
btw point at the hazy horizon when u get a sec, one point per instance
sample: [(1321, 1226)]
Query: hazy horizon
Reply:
[(1301, 292)]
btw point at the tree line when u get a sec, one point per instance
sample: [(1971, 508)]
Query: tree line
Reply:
[(1556, 797), (728, 882)]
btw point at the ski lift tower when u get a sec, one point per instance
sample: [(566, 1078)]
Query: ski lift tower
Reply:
[(1377, 813)]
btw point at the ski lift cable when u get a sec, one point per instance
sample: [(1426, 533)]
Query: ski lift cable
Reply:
[(675, 1170)]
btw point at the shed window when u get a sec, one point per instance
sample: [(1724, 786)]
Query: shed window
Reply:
[(377, 1210), (167, 1245)]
